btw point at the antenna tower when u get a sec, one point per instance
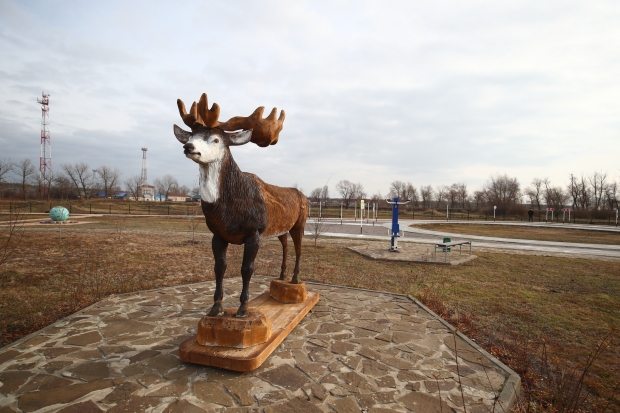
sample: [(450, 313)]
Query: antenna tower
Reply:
[(45, 163), (144, 165)]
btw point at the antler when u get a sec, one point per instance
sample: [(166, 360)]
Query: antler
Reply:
[(265, 132)]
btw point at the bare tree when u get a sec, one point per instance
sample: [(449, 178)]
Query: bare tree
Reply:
[(503, 192), (535, 192), (166, 185), (358, 191), (183, 189), (554, 196), (345, 189), (479, 198), (109, 178), (441, 192), (133, 186), (426, 193), (11, 234), (597, 183), (320, 194), (81, 176), (62, 186), (25, 169), (6, 167), (611, 195)]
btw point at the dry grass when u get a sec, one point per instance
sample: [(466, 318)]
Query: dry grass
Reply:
[(497, 299), (559, 234)]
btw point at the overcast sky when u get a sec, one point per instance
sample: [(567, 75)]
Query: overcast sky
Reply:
[(429, 92)]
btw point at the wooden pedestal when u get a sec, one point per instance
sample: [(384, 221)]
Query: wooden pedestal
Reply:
[(285, 292), (283, 318), (230, 331)]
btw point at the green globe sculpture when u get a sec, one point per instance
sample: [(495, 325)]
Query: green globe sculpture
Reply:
[(59, 214)]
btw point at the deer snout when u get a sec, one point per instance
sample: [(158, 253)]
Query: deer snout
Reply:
[(188, 148)]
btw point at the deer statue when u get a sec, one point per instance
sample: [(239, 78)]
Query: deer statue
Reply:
[(239, 207)]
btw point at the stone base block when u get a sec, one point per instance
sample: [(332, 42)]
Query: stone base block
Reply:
[(285, 292), (230, 331)]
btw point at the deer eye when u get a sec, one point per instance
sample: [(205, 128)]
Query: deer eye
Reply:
[(216, 140)]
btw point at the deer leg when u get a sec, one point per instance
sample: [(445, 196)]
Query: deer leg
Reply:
[(283, 240), (219, 247), (247, 269), (296, 234)]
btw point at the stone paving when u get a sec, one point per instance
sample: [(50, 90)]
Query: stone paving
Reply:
[(416, 253), (357, 351)]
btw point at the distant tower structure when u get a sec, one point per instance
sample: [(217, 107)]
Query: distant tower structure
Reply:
[(144, 180), (45, 163), (147, 192)]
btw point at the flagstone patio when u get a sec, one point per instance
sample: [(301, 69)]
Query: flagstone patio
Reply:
[(357, 350)]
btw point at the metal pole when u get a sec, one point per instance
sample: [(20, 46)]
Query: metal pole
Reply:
[(447, 213), (341, 213)]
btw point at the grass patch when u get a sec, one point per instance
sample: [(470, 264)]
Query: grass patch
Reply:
[(505, 302), (523, 232)]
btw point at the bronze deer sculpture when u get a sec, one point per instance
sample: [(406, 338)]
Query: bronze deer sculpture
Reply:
[(239, 207)]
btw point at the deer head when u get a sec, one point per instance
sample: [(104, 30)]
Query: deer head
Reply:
[(209, 137)]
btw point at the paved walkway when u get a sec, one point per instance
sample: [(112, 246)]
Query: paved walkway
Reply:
[(357, 351), (418, 235)]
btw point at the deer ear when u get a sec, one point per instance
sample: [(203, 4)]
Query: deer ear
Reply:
[(238, 138), (181, 135)]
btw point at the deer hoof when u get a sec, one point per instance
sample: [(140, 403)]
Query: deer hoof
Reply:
[(282, 276), (243, 311), (216, 310), (295, 279)]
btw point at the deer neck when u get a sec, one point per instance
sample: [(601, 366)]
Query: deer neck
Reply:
[(212, 177)]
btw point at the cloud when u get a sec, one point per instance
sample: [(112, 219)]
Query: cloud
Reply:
[(431, 93)]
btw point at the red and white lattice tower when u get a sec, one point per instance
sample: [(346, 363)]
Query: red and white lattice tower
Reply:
[(45, 164)]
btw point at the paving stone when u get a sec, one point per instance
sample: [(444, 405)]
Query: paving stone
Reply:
[(295, 405), (37, 400), (174, 389), (339, 391), (315, 390), (285, 376), (371, 399), (215, 374), (407, 376), (353, 362), (374, 369), (13, 380), (163, 363), (135, 404), (150, 379), (356, 380), (116, 326), (342, 347), (386, 381), (345, 405), (240, 389), (22, 366), (331, 328), (423, 403), (117, 349), (9, 356), (87, 355), (462, 369), (434, 386), (31, 342), (143, 355), (212, 393), (183, 371), (54, 366), (121, 392), (84, 339), (400, 337), (314, 370), (44, 382), (89, 371), (319, 354), (272, 397), (51, 353), (84, 407), (132, 370), (7, 409), (183, 406)]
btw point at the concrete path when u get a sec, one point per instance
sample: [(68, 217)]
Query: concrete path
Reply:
[(418, 235)]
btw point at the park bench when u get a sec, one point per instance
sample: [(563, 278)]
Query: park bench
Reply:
[(446, 247)]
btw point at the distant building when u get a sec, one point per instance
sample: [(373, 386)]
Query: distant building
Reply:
[(146, 192), (178, 198)]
